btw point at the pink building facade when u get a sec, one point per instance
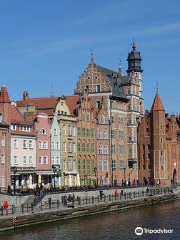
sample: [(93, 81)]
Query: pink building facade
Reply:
[(43, 149)]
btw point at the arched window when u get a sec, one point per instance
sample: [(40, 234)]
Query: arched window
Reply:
[(43, 131)]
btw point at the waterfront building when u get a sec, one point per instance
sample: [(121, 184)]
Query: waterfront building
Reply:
[(5, 140), (44, 172), (159, 146), (23, 149), (56, 151), (122, 96)]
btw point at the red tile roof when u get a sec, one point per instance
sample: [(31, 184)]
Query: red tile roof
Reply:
[(4, 97), (23, 133), (48, 104), (157, 104), (16, 116)]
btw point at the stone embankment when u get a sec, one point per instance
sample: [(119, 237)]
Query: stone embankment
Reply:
[(55, 211)]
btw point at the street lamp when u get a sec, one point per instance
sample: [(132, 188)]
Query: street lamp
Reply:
[(14, 169), (95, 171), (124, 176), (54, 170)]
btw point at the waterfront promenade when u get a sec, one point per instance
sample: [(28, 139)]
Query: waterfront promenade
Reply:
[(54, 208)]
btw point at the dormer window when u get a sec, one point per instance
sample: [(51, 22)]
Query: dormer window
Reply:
[(62, 103), (43, 131), (13, 127)]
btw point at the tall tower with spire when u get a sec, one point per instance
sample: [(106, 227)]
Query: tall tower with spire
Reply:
[(159, 140)]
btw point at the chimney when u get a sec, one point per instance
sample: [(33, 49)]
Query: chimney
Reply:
[(29, 117), (25, 95)]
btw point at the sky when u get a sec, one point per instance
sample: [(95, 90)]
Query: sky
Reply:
[(49, 42)]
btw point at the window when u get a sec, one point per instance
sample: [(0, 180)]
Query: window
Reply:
[(3, 142), (100, 149), (15, 145), (129, 92), (64, 130), (84, 147), (103, 120), (70, 164), (25, 129), (79, 147), (69, 130), (40, 145), (13, 127), (24, 144), (57, 160), (106, 149), (92, 132), (98, 88), (105, 134), (2, 182), (73, 131), (30, 144), (84, 166), (88, 166), (64, 164), (83, 132), (53, 161), (113, 134), (88, 118), (88, 132), (100, 134), (130, 151), (112, 119), (113, 148), (55, 131), (121, 149), (74, 147), (64, 147), (98, 104), (24, 159), (30, 160), (57, 145), (74, 165), (120, 120), (45, 145), (83, 117), (106, 165), (113, 165), (121, 135), (79, 132), (88, 147), (69, 147), (79, 165), (2, 158), (101, 166), (129, 122), (92, 147), (15, 159), (52, 146), (121, 165), (45, 160), (43, 131), (92, 165)]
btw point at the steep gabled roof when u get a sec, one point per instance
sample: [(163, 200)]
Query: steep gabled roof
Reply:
[(16, 117), (72, 101), (4, 96), (157, 104)]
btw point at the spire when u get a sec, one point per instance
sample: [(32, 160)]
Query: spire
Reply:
[(157, 88), (133, 45), (92, 57), (52, 93), (157, 104), (120, 67), (4, 96)]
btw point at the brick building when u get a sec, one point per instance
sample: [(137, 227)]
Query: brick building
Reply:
[(5, 139), (159, 146), (123, 101)]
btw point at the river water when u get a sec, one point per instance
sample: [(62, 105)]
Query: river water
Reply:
[(114, 225)]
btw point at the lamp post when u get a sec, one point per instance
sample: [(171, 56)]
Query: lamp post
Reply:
[(95, 171), (124, 176), (54, 170), (14, 169)]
